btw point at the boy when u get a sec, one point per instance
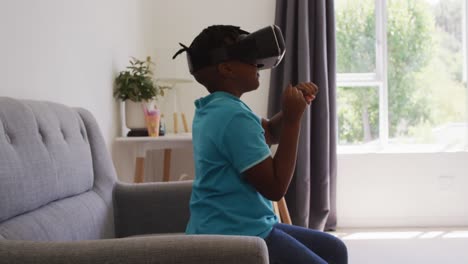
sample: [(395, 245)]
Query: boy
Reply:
[(235, 176)]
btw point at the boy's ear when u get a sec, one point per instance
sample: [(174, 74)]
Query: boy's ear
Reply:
[(225, 69)]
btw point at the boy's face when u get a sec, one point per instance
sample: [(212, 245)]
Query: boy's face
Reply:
[(245, 76)]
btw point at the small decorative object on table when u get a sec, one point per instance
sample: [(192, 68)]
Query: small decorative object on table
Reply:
[(152, 117), (162, 126)]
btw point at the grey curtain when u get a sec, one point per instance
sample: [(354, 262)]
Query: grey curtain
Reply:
[(309, 31)]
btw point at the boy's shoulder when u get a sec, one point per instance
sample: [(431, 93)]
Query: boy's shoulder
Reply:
[(228, 109), (221, 112)]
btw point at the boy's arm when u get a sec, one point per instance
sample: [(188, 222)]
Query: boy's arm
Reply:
[(272, 176), (273, 126)]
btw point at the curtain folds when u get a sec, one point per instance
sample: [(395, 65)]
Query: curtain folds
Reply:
[(309, 31)]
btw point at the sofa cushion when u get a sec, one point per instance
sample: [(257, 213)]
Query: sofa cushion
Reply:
[(79, 217), (44, 155)]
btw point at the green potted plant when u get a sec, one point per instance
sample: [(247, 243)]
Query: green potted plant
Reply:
[(136, 86)]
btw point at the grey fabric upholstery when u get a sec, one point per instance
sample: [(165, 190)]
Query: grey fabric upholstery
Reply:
[(56, 175), (138, 207), (58, 192), (44, 155), (148, 250), (79, 217)]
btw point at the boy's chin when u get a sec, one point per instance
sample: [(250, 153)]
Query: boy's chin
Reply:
[(251, 86), (257, 84), (254, 88)]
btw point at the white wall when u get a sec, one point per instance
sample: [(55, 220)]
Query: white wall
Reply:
[(388, 190), (69, 51)]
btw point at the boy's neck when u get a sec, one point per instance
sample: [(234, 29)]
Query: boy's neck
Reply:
[(230, 90)]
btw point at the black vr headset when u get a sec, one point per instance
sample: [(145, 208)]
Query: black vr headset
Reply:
[(265, 48)]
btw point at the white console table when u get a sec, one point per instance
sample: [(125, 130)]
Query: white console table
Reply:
[(166, 143)]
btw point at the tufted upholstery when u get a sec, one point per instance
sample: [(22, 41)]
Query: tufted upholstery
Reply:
[(50, 188)]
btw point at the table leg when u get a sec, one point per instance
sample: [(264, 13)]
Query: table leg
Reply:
[(276, 210), (167, 165), (184, 121), (284, 212), (176, 123), (139, 170)]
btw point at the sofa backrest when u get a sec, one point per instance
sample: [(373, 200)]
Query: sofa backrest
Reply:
[(56, 176)]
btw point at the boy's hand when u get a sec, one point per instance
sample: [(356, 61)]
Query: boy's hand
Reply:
[(309, 90), (294, 104)]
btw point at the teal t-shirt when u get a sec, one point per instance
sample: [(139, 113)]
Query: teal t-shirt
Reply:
[(228, 139)]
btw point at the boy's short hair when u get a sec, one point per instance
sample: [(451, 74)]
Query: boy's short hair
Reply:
[(216, 36), (211, 38)]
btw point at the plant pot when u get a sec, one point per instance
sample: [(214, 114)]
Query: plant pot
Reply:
[(134, 115)]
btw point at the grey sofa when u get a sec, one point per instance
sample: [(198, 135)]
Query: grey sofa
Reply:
[(60, 201)]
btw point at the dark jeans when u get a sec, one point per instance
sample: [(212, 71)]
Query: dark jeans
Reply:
[(288, 244)]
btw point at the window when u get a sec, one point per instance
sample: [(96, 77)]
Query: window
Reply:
[(401, 75)]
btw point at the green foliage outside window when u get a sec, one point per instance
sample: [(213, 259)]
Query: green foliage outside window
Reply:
[(425, 89)]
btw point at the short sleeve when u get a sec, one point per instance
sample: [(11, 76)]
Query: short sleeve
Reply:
[(244, 141)]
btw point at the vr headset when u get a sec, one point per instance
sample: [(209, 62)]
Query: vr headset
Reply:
[(264, 48)]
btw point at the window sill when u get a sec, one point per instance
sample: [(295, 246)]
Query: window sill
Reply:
[(400, 149)]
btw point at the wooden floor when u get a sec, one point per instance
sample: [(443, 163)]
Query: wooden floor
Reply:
[(406, 245)]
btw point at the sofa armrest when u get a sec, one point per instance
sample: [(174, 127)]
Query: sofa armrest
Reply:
[(151, 249), (151, 208)]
